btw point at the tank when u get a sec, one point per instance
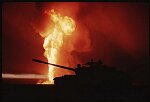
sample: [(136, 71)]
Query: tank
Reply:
[(90, 77), (91, 72)]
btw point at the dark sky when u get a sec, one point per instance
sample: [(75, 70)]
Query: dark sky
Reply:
[(116, 33)]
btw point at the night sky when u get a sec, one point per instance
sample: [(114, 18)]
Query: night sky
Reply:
[(116, 33)]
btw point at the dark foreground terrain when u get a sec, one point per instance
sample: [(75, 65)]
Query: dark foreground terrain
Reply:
[(49, 93)]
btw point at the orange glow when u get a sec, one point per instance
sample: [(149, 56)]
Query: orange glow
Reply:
[(54, 40)]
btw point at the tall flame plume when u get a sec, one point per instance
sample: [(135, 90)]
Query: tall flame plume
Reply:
[(54, 39)]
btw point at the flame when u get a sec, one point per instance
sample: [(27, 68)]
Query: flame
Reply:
[(54, 40)]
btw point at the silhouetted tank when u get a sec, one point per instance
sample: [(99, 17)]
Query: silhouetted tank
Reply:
[(93, 80), (92, 74)]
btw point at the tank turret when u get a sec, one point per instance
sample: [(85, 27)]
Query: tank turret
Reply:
[(76, 70), (60, 66)]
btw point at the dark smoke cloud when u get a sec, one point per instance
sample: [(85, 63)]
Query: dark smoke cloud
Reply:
[(117, 33), (20, 42)]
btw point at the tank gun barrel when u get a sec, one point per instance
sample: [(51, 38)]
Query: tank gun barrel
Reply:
[(60, 66)]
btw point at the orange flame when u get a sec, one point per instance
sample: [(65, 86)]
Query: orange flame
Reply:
[(54, 39)]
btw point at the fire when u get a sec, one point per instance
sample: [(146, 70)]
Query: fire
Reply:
[(54, 39)]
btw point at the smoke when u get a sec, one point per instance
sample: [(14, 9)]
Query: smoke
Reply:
[(119, 35), (117, 28), (23, 76), (20, 42)]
